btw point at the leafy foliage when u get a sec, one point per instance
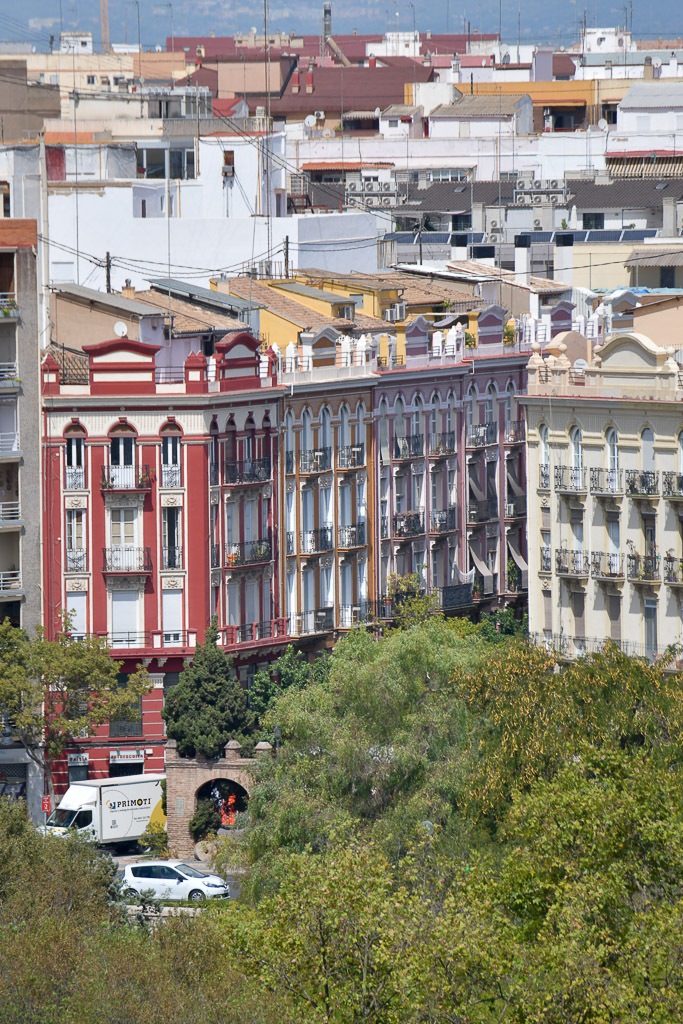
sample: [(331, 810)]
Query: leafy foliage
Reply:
[(208, 706), (291, 671)]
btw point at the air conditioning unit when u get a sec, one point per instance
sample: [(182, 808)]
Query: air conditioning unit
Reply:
[(400, 311), (538, 184), (387, 186), (494, 223), (352, 186), (390, 314), (319, 115), (537, 200), (371, 186), (553, 184), (509, 510), (537, 225), (554, 200), (386, 201), (523, 184), (372, 201), (522, 201)]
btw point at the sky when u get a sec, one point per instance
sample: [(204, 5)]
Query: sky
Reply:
[(547, 21)]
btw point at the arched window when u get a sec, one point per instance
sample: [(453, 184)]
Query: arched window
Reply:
[(249, 439), (289, 442), (399, 419), (170, 455), (577, 454), (416, 425), (306, 444), (509, 403), (490, 403), (470, 406), (612, 457), (214, 453), (383, 432), (74, 457), (122, 473), (450, 415), (434, 416), (648, 441), (545, 446), (344, 438), (325, 428)]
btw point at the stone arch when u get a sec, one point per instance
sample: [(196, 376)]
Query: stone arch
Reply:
[(185, 776)]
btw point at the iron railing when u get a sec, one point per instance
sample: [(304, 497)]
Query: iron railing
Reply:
[(672, 485), (255, 632), (351, 456), (673, 570), (127, 559), (170, 476), (10, 512), (570, 479), (544, 477), (289, 462), (351, 536), (353, 614), (384, 527), (318, 621), (248, 552), (76, 560), (315, 460), (409, 524), (642, 485), (605, 481), (247, 471), (313, 541), (482, 434), (643, 568), (409, 446), (289, 542), (213, 474), (172, 557), (571, 563), (443, 520), (441, 445), (515, 432), (607, 565), (458, 595), (74, 478), (215, 556), (126, 478), (546, 560)]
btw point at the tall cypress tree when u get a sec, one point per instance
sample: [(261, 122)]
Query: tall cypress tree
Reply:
[(208, 706)]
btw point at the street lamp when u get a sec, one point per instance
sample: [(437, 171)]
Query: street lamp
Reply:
[(170, 7)]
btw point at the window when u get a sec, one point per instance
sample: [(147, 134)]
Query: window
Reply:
[(612, 452), (91, 79), (172, 615), (667, 277), (78, 773), (123, 527), (77, 604), (648, 451), (172, 552), (450, 174), (650, 617), (509, 402), (545, 446), (461, 222), (490, 403), (122, 460), (343, 427), (75, 541), (75, 472), (576, 449), (170, 460), (393, 122), (593, 221)]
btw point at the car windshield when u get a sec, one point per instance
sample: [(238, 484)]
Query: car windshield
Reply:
[(62, 818), (191, 872)]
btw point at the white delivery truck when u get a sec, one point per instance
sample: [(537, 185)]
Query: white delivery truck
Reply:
[(109, 810)]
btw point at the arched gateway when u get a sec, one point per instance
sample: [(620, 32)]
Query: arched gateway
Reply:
[(185, 776)]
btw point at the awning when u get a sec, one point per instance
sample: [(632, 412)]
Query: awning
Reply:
[(514, 486), (474, 484), (483, 570), (647, 257), (643, 166), (520, 562)]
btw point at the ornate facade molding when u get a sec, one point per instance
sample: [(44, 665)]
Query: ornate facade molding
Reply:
[(171, 499), (172, 582), (126, 583), (120, 500), (76, 584), (77, 501)]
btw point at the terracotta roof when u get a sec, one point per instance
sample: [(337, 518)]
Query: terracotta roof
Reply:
[(479, 105), (417, 291), (477, 270), (301, 316), (384, 85), (67, 138), (563, 66), (189, 318), (202, 76), (338, 165)]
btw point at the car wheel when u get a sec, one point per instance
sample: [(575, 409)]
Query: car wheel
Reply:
[(130, 894), (196, 896)]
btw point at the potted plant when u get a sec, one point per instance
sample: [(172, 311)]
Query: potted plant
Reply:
[(470, 340), (509, 334), (513, 576)]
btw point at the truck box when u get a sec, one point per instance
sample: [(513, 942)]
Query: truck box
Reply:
[(122, 807)]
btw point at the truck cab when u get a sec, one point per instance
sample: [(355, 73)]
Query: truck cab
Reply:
[(76, 811)]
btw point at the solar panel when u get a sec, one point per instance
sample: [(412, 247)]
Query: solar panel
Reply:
[(436, 237), (540, 236), (637, 234), (603, 236)]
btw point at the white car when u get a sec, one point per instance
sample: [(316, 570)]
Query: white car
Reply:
[(173, 880)]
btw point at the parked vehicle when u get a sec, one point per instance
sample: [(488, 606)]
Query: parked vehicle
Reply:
[(109, 810), (173, 880)]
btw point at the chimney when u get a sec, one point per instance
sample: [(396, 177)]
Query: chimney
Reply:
[(128, 291), (327, 20), (372, 61), (309, 79), (564, 258), (522, 259), (459, 246), (648, 69), (669, 217), (295, 81)]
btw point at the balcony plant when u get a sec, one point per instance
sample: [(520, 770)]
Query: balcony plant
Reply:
[(8, 307), (513, 576), (260, 551), (470, 340), (509, 334)]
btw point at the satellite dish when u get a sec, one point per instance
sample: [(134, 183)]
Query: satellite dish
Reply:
[(656, 63), (310, 121), (120, 329), (602, 124)]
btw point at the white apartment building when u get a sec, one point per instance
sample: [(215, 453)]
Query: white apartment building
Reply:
[(605, 480)]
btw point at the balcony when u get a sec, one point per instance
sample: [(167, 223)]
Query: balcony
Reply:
[(478, 588), (409, 524), (351, 536), (256, 634), (515, 432), (74, 478), (9, 376), (459, 595), (171, 476), (642, 485), (482, 434), (569, 480), (213, 474), (384, 527), (315, 460), (10, 583), (127, 560), (9, 444), (482, 511), (606, 482), (215, 556), (314, 541), (171, 558), (148, 639), (546, 560), (607, 565), (320, 621), (643, 568), (248, 552), (76, 560), (247, 471), (673, 571), (289, 462), (410, 446), (543, 478), (353, 614), (442, 445), (351, 456), (10, 515), (443, 520), (672, 486), (126, 478), (571, 563), (515, 506), (8, 305), (289, 543)]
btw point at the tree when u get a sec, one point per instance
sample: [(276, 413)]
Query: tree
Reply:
[(208, 706), (53, 691), (291, 670)]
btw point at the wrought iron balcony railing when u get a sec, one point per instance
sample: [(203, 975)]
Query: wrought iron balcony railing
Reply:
[(606, 481), (313, 541), (643, 568), (170, 476), (409, 446), (607, 565), (515, 432), (247, 471), (76, 560), (316, 460), (443, 520), (673, 570), (482, 434), (351, 456), (544, 477), (127, 559), (172, 557), (570, 480), (126, 478), (672, 485), (409, 524), (546, 560), (571, 563), (319, 621), (642, 484), (248, 552), (351, 536), (74, 478), (441, 445)]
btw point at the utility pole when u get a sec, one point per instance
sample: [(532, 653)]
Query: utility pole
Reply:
[(419, 237), (286, 255), (108, 271)]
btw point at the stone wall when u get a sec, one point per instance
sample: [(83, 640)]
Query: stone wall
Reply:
[(186, 775)]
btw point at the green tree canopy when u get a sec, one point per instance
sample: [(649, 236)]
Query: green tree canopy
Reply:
[(208, 706)]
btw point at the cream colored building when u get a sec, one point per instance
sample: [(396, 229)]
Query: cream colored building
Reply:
[(605, 467)]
